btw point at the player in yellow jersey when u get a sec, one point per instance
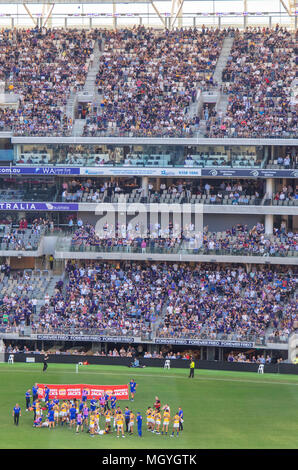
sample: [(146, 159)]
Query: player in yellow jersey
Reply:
[(176, 421), (108, 416), (38, 410), (149, 420), (116, 413), (68, 406), (97, 418), (56, 413), (92, 424), (157, 422), (152, 420), (166, 421), (120, 424), (63, 412), (131, 422)]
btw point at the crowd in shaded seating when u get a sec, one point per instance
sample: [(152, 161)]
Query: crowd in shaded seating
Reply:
[(182, 191)]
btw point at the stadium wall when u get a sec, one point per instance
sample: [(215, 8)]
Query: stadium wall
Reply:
[(282, 368)]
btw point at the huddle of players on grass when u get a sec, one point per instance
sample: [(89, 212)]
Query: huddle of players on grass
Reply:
[(75, 413), (81, 416)]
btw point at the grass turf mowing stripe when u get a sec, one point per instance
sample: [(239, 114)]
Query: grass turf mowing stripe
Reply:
[(262, 379)]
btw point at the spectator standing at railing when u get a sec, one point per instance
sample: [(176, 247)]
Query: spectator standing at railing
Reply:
[(51, 261)]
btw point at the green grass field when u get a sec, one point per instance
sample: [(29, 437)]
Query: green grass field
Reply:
[(222, 410)]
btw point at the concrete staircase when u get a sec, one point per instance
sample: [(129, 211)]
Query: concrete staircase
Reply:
[(92, 72), (78, 127), (71, 105), (50, 290), (223, 100), (202, 128), (223, 59), (160, 318), (214, 95), (89, 93)]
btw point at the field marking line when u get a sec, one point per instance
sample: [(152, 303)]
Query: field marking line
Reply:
[(165, 376)]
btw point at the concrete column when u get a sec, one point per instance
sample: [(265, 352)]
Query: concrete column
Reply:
[(269, 187), (17, 150), (145, 185), (245, 10), (269, 223), (210, 354), (114, 17), (153, 219), (180, 18), (157, 184)]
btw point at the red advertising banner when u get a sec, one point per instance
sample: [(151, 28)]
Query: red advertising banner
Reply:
[(67, 392)]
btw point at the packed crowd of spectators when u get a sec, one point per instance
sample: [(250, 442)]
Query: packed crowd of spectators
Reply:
[(201, 301), (41, 67), (148, 80), (217, 301), (257, 79), (104, 299), (281, 329)]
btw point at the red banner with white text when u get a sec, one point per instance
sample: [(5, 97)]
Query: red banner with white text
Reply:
[(67, 392)]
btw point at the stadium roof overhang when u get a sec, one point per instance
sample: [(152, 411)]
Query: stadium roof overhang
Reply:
[(289, 5), (176, 7)]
